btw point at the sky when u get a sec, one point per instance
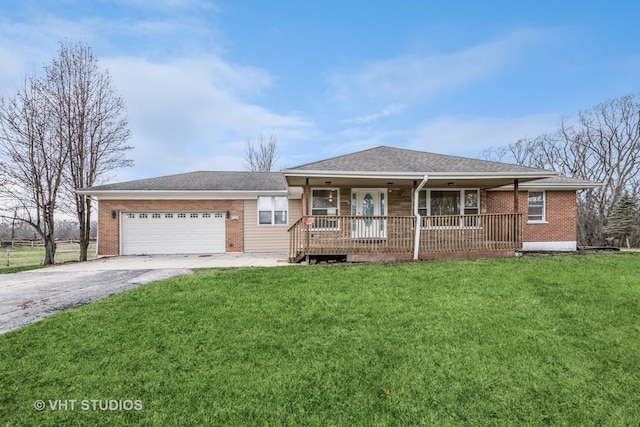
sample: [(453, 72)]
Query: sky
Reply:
[(202, 77)]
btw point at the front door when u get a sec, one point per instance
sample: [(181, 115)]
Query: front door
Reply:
[(368, 203)]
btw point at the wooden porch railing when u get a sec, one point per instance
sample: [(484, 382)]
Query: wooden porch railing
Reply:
[(344, 235), (471, 233)]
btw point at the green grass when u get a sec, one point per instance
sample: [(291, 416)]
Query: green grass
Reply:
[(31, 257), (522, 341), (12, 270)]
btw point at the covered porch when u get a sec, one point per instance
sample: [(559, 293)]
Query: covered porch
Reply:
[(391, 238), (393, 204)]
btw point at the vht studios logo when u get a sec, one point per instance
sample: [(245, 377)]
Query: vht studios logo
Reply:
[(88, 405)]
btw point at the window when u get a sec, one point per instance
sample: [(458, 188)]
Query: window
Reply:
[(471, 202), (168, 215), (182, 215), (194, 215), (536, 206), (155, 215), (450, 203), (272, 210), (206, 215), (445, 203), (143, 216), (324, 201)]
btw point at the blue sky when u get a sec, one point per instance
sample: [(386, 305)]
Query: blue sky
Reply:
[(331, 77)]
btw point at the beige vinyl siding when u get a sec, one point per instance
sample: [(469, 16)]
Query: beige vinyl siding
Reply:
[(268, 238)]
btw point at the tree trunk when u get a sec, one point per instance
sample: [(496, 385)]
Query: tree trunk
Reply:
[(84, 243), (49, 250), (84, 219)]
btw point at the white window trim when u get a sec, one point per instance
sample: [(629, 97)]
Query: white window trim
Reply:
[(273, 210), (337, 190), (461, 208), (544, 208)]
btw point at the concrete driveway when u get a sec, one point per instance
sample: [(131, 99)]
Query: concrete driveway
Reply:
[(30, 296)]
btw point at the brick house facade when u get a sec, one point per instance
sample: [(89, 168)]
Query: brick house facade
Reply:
[(401, 183), (109, 227), (560, 224)]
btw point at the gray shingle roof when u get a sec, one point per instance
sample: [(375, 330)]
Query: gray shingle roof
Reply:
[(563, 181), (203, 181), (389, 159)]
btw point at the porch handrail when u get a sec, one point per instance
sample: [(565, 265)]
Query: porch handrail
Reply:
[(354, 234)]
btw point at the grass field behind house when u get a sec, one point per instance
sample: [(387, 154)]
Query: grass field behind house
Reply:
[(11, 258), (521, 341)]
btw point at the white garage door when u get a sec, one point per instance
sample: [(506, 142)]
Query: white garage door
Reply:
[(172, 233)]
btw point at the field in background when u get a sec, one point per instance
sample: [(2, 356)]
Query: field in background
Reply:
[(32, 256)]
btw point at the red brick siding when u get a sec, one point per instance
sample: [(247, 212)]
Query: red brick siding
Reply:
[(109, 228), (560, 213)]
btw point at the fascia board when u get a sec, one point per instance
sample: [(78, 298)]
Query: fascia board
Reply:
[(353, 174), (420, 175), (540, 186)]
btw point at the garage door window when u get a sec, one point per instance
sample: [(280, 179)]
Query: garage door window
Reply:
[(272, 210)]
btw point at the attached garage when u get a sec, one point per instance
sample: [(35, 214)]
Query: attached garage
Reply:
[(192, 213), (172, 233)]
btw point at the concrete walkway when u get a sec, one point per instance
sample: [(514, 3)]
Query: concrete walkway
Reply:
[(228, 260), (30, 296)]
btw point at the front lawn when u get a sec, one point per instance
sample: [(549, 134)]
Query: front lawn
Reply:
[(521, 341)]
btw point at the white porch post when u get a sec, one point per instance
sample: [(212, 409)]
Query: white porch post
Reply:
[(416, 241)]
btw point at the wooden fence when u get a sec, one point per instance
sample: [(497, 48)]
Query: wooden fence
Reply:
[(26, 256)]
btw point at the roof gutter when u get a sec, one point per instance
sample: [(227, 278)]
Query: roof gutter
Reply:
[(183, 194), (416, 241), (534, 174)]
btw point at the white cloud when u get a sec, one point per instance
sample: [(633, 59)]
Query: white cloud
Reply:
[(413, 78), (190, 114), (469, 136), (188, 108), (389, 110)]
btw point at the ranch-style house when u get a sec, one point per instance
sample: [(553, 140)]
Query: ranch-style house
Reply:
[(378, 204)]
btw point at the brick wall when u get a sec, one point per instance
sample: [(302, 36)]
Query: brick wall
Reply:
[(109, 228), (560, 213)]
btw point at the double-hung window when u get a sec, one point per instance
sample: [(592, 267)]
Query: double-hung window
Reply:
[(273, 210), (536, 212)]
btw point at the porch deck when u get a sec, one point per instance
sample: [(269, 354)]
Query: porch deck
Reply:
[(392, 237)]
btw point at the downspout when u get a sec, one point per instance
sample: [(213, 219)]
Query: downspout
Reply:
[(416, 241)]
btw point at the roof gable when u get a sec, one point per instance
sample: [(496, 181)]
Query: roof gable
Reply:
[(390, 159)]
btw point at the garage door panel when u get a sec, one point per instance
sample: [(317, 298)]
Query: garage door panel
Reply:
[(173, 233)]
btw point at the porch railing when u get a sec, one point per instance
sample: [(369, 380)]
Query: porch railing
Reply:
[(347, 234)]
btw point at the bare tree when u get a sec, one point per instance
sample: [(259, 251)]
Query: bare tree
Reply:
[(601, 145), (262, 158), (34, 159), (61, 132), (92, 124)]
